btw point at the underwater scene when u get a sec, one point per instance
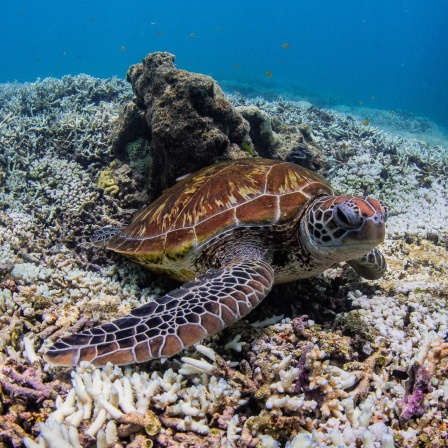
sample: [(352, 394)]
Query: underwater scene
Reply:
[(223, 224)]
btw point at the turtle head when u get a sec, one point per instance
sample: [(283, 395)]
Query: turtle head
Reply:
[(343, 227)]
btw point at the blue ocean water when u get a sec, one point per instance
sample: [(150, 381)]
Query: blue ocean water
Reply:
[(384, 54)]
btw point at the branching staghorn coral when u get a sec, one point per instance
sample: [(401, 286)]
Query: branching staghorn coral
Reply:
[(111, 395)]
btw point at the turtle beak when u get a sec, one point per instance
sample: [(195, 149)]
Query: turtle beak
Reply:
[(372, 233), (375, 224)]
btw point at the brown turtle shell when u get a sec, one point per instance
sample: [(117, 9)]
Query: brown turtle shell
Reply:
[(245, 192)]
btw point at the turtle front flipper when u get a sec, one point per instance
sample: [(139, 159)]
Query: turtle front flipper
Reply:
[(102, 236), (371, 266), (170, 323)]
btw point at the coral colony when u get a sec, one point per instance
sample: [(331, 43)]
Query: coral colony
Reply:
[(331, 361)]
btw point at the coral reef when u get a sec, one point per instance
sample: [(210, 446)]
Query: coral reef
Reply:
[(350, 363), (426, 132)]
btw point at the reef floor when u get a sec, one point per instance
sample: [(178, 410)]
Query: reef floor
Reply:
[(331, 361)]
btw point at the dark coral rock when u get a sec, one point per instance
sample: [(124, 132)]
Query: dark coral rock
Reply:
[(264, 138), (274, 139), (6, 268), (185, 117)]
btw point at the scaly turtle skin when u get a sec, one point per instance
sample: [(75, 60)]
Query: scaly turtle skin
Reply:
[(230, 231)]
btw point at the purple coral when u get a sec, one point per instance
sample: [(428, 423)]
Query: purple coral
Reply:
[(417, 386), (27, 385), (303, 377)]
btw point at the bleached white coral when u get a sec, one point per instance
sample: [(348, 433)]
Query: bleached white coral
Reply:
[(100, 396), (287, 378), (29, 352), (269, 442), (7, 305), (235, 344), (269, 321), (55, 435), (232, 432)]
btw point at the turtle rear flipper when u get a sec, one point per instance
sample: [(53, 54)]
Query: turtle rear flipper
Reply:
[(371, 266), (170, 323)]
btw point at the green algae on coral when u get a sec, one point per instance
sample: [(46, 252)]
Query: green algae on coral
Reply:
[(139, 153), (246, 147)]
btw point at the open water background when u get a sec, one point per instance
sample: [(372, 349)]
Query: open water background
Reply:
[(384, 54)]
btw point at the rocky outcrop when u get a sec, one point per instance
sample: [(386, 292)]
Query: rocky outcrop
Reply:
[(263, 137), (273, 139), (185, 119)]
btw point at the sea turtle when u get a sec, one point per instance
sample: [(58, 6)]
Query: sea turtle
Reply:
[(230, 231)]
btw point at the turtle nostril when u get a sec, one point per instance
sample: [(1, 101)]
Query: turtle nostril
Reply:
[(385, 212)]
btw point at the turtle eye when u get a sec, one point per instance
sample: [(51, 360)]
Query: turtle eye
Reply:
[(347, 216)]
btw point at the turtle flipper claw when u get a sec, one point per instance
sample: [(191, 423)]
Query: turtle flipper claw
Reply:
[(170, 323)]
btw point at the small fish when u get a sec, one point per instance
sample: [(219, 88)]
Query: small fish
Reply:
[(372, 97), (365, 122), (92, 19), (123, 48), (64, 53), (236, 66), (153, 23), (269, 74), (159, 33), (286, 46), (360, 102), (191, 34)]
